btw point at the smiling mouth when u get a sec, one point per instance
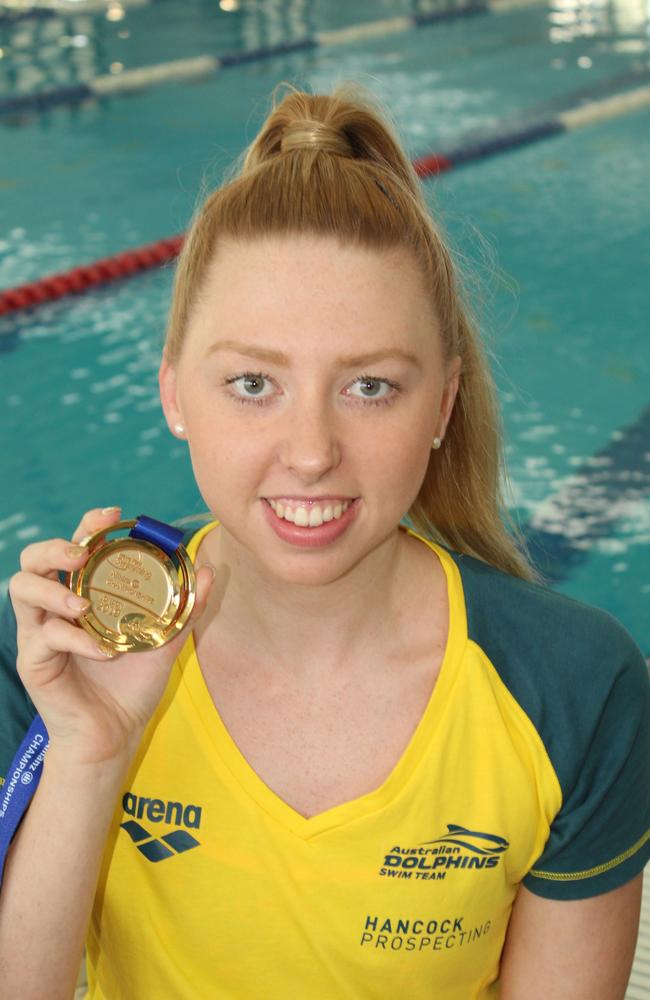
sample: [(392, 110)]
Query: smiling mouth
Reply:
[(310, 514)]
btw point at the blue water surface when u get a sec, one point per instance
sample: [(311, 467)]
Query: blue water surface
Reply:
[(552, 239)]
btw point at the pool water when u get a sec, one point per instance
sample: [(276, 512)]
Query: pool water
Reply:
[(552, 237)]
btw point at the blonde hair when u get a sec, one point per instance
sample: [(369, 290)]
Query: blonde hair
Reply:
[(332, 165)]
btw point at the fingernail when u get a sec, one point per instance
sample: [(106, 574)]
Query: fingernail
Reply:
[(77, 603), (110, 510), (106, 651), (74, 551), (213, 569)]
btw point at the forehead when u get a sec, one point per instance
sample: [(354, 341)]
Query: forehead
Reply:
[(294, 291)]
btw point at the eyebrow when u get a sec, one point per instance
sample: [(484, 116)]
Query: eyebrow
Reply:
[(343, 360)]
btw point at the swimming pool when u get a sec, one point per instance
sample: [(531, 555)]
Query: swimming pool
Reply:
[(553, 236)]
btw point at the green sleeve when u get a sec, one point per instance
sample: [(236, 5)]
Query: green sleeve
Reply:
[(600, 838), (16, 707), (583, 683)]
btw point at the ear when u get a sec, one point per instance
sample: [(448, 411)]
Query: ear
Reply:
[(449, 394), (169, 398)]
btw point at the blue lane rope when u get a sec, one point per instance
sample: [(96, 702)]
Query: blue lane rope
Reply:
[(79, 279), (208, 65), (46, 99)]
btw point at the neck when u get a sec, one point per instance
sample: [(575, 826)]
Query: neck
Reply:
[(308, 629)]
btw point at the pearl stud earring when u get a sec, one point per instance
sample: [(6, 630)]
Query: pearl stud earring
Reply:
[(436, 443), (179, 428)]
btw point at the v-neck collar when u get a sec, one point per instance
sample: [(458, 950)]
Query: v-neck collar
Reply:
[(411, 758)]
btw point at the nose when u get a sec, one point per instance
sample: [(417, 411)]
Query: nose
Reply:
[(310, 444)]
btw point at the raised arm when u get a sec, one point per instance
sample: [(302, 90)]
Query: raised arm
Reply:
[(96, 711), (578, 949)]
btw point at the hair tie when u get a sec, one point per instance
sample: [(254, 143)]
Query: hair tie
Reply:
[(314, 135)]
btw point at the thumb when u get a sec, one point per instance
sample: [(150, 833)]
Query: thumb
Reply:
[(204, 580)]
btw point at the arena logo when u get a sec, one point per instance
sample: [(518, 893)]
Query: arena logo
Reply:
[(159, 811), (434, 859)]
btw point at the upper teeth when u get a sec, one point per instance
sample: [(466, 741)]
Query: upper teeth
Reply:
[(309, 516)]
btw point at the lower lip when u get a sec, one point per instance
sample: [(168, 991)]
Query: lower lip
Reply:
[(310, 538)]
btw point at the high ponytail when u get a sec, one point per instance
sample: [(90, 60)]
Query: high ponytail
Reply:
[(332, 165), (346, 123)]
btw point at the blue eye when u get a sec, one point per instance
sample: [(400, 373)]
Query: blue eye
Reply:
[(252, 384), (252, 381), (374, 384)]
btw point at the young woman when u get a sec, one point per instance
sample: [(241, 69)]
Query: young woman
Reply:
[(383, 761)]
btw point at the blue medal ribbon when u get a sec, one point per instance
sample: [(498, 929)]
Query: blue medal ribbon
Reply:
[(24, 772), (163, 535)]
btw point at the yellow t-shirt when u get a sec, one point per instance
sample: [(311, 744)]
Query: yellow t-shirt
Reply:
[(213, 887)]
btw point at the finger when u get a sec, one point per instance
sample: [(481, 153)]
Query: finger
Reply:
[(95, 520), (57, 554), (204, 580), (57, 636), (33, 596), (49, 557)]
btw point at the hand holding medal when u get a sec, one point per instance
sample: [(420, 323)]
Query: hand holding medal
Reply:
[(141, 587), (129, 587)]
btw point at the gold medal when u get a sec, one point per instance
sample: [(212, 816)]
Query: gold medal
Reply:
[(141, 595)]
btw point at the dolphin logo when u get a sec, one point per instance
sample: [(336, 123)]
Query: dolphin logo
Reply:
[(472, 840)]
